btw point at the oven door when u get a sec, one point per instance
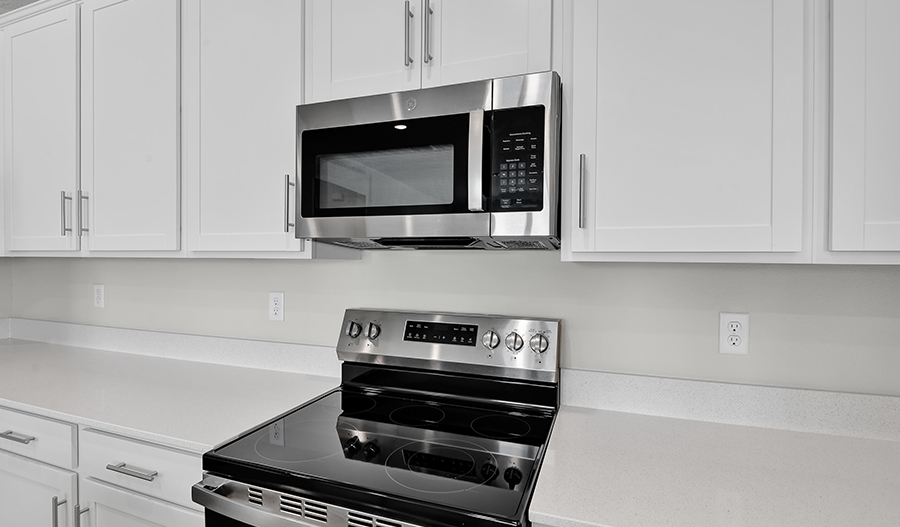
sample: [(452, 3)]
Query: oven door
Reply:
[(383, 173)]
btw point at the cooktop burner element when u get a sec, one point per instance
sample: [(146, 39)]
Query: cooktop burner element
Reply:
[(414, 433)]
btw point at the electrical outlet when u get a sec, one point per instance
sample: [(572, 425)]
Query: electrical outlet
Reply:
[(734, 333), (98, 295), (276, 433), (276, 306)]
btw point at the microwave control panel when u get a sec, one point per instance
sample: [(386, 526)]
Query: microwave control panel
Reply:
[(517, 174)]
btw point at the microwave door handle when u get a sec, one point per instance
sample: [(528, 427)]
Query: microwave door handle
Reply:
[(476, 156)]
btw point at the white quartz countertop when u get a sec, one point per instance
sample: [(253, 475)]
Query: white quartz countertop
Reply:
[(184, 404), (617, 469)]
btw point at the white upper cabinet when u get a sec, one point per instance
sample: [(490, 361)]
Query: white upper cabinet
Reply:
[(130, 124), (40, 130), (363, 47), (865, 170), (243, 72), (685, 130)]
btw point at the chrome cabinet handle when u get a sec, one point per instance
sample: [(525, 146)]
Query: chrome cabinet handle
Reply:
[(54, 512), (407, 16), (62, 213), (78, 512), (287, 202), (18, 438), (428, 21), (476, 145), (581, 191), (134, 472), (80, 225)]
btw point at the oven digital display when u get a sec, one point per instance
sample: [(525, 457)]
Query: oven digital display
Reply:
[(441, 333)]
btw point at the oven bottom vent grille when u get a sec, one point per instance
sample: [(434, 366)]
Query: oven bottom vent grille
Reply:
[(356, 519), (255, 496), (308, 509)]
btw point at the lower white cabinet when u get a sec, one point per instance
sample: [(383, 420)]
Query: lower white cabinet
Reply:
[(33, 493), (109, 506)]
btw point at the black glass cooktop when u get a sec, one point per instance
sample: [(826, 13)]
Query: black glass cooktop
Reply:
[(477, 457)]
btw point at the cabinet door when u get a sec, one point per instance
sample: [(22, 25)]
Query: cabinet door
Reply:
[(865, 177), (130, 100), (362, 47), (467, 40), (40, 130), (113, 507), (244, 78), (690, 118), (27, 490)]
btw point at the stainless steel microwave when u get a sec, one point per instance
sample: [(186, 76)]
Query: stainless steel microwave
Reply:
[(468, 166)]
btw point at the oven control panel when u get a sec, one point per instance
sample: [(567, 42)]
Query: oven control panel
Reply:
[(518, 347)]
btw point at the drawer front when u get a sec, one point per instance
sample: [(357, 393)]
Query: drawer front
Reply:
[(53, 442), (103, 455)]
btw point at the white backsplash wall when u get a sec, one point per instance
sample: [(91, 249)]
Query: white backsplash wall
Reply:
[(820, 327), (5, 287)]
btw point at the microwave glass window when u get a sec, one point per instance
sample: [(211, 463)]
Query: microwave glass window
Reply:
[(399, 177)]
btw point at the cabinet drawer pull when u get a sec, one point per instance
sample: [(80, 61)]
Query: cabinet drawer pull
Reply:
[(62, 213), (407, 16), (428, 21), (134, 472), (287, 202), (18, 438), (54, 512), (581, 191), (78, 512)]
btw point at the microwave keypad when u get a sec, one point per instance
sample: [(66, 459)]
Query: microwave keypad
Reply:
[(517, 174)]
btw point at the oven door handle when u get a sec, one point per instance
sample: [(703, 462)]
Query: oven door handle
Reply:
[(221, 496), (476, 156)]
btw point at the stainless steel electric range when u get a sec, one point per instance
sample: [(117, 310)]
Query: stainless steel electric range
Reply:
[(440, 420)]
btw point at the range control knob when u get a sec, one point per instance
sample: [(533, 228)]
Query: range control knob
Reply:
[(489, 471), (370, 451), (351, 447), (513, 476), (539, 343), (514, 342), (373, 330), (490, 339), (353, 330)]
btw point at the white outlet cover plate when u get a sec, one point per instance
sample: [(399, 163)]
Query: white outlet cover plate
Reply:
[(276, 306), (743, 333), (98, 295)]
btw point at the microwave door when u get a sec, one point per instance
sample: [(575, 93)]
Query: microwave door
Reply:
[(411, 178)]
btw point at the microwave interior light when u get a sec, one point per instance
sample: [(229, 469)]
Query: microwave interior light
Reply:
[(400, 126)]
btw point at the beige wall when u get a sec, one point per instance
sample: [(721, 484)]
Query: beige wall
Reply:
[(5, 287), (822, 327)]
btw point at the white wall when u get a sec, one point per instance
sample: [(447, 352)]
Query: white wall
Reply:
[(5, 287), (821, 327)]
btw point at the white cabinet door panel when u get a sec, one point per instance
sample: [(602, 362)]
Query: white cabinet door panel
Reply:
[(697, 126), (113, 507), (865, 184), (40, 130), (359, 47), (27, 489), (473, 39), (130, 118), (244, 89)]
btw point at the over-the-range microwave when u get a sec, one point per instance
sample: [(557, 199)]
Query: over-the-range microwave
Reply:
[(468, 166)]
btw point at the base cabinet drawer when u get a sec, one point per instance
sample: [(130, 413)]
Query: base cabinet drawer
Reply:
[(38, 437), (34, 494), (108, 506), (153, 470)]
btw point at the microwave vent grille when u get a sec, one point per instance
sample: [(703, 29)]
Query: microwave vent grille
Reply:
[(360, 245), (524, 244)]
